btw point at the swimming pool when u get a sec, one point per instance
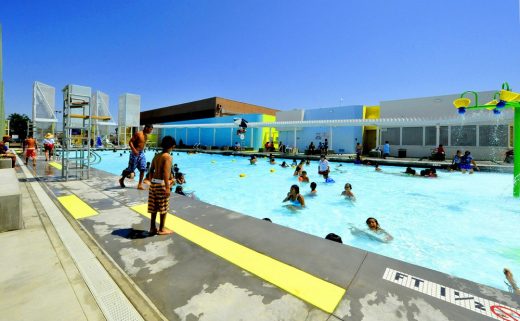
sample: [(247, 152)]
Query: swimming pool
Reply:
[(460, 224)]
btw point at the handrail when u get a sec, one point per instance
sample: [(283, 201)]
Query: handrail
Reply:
[(97, 158)]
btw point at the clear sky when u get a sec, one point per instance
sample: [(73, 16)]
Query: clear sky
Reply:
[(277, 53)]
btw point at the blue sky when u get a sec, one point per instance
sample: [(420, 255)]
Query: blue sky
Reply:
[(279, 54)]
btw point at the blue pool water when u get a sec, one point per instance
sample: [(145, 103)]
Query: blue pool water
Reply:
[(461, 224)]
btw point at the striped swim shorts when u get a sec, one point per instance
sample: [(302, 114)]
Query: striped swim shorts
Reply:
[(158, 202)]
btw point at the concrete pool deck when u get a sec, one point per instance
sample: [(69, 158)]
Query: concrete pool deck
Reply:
[(185, 277)]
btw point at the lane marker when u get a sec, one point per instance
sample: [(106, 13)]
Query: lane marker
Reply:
[(303, 285), (56, 165), (462, 299), (76, 207)]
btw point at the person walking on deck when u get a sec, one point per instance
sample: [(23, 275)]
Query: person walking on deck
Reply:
[(137, 158)]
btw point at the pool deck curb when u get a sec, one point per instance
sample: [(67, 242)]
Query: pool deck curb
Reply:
[(185, 281), (484, 166)]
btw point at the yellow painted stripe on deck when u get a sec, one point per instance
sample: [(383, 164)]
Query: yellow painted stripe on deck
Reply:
[(54, 164), (303, 285), (76, 207)]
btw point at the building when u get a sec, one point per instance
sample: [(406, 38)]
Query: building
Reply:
[(430, 121), (210, 122), (341, 139), (201, 109), (221, 132), (413, 128)]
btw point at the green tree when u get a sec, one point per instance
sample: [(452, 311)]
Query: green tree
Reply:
[(18, 125)]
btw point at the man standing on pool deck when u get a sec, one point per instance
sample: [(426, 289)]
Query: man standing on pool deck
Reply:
[(137, 158)]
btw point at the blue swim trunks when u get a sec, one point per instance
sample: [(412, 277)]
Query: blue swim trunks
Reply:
[(138, 162)]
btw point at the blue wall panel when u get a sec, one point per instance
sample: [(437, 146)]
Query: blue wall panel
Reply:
[(344, 139), (223, 136)]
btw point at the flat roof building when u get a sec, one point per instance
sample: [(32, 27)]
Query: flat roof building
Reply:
[(199, 109)]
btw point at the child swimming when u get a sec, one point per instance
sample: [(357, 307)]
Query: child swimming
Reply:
[(294, 196), (313, 191), (348, 192), (303, 177)]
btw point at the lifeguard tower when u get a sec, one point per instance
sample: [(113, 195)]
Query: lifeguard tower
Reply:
[(77, 131)]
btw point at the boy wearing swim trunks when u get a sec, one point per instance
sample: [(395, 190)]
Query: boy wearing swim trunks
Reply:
[(159, 193), (30, 150)]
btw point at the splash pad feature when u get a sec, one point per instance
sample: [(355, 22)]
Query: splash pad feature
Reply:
[(505, 98)]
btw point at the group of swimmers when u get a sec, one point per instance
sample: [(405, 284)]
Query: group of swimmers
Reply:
[(294, 196), (428, 172), (463, 162)]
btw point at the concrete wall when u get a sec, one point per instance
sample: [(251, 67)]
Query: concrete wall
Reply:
[(432, 107), (290, 115), (342, 140), (10, 201)]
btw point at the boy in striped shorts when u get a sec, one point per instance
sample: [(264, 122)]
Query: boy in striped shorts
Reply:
[(159, 192)]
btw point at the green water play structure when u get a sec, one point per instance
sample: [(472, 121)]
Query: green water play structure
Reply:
[(505, 98)]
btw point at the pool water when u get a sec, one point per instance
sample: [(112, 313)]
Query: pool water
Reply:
[(460, 224)]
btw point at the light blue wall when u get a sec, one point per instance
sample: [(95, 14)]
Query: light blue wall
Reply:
[(344, 139), (223, 136)]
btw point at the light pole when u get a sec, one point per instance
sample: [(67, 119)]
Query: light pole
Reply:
[(53, 124), (504, 98)]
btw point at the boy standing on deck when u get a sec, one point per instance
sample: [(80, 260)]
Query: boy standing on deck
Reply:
[(137, 158), (159, 194), (30, 150)]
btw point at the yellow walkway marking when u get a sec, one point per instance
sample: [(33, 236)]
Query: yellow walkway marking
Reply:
[(54, 164), (303, 285), (76, 207)]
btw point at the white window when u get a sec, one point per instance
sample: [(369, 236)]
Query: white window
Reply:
[(491, 135), (464, 135), (412, 136)]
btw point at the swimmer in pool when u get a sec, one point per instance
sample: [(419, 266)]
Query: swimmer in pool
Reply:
[(348, 192), (313, 191), (303, 177), (178, 190), (373, 226), (179, 178), (410, 171), (429, 172), (467, 163), (298, 169), (295, 197), (252, 160), (284, 164), (511, 283)]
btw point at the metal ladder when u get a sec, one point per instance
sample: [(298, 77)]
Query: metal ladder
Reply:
[(77, 132)]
